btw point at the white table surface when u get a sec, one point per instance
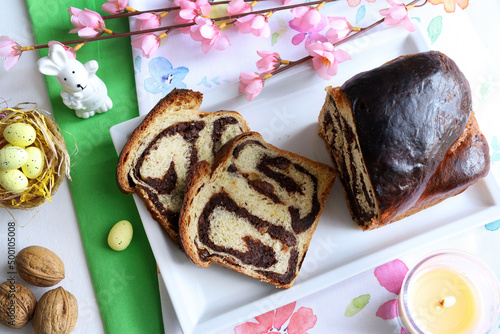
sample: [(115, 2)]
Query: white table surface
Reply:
[(55, 226)]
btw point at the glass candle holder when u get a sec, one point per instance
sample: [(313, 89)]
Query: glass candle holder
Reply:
[(449, 291)]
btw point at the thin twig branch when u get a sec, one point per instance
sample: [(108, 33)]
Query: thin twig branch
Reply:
[(160, 10)]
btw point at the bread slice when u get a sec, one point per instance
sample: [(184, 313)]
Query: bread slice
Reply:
[(255, 210), (175, 135), (403, 137)]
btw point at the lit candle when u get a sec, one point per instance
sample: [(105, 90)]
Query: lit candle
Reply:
[(449, 292)]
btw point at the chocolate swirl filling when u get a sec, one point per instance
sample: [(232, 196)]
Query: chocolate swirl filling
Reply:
[(258, 254)]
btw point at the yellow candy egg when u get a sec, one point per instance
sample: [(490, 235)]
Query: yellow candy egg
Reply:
[(13, 180), (12, 157), (20, 134), (120, 235), (34, 166)]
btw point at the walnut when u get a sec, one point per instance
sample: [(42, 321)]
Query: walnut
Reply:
[(56, 312), (39, 266), (17, 304)]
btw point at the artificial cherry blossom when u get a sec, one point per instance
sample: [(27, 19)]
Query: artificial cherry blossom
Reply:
[(254, 23), (306, 18), (114, 6), (149, 20), (147, 43), (396, 14), (70, 51), (10, 50), (339, 29), (193, 9), (251, 84), (87, 22), (310, 35), (235, 7), (269, 61), (326, 58), (209, 35)]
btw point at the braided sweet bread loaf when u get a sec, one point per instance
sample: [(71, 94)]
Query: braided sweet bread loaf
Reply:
[(403, 137), (169, 141), (255, 210)]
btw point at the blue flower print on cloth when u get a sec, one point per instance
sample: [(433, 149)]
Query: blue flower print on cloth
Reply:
[(164, 77)]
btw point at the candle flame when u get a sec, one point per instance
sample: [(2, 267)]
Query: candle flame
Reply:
[(448, 301)]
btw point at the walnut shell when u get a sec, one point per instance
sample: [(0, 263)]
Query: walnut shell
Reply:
[(55, 313), (17, 304), (39, 266)]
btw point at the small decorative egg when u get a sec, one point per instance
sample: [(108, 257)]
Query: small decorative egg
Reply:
[(13, 180), (20, 134), (12, 157), (120, 235), (34, 166)]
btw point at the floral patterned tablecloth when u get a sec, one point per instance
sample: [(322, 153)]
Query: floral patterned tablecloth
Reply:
[(366, 303)]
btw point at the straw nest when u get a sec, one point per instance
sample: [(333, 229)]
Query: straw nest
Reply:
[(57, 162)]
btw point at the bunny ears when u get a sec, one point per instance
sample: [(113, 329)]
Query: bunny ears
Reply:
[(54, 62)]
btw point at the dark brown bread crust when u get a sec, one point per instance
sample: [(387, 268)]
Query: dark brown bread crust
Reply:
[(419, 139), (406, 111)]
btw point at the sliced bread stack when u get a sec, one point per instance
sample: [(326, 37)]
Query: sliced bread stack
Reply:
[(157, 157), (242, 202)]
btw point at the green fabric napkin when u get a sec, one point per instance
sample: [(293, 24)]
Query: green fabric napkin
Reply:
[(125, 283)]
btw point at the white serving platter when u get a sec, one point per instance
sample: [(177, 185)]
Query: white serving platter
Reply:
[(285, 113)]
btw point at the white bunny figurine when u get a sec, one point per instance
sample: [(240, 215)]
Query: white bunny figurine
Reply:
[(83, 90)]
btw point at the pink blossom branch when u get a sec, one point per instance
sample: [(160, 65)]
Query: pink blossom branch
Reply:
[(412, 4), (172, 27)]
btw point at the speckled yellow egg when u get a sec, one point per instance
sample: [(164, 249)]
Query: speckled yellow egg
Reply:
[(34, 166), (120, 235), (20, 134), (12, 157), (13, 180)]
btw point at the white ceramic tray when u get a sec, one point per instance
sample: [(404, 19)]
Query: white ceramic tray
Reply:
[(206, 300)]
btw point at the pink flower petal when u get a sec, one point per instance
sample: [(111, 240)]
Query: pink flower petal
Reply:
[(341, 56), (110, 8), (394, 2), (297, 39), (299, 11), (221, 42), (89, 18), (391, 275), (236, 7), (385, 11), (74, 11), (206, 9), (148, 44), (408, 24), (388, 310), (353, 3), (10, 61), (399, 12), (313, 17), (301, 321), (87, 32), (283, 314), (250, 328)]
